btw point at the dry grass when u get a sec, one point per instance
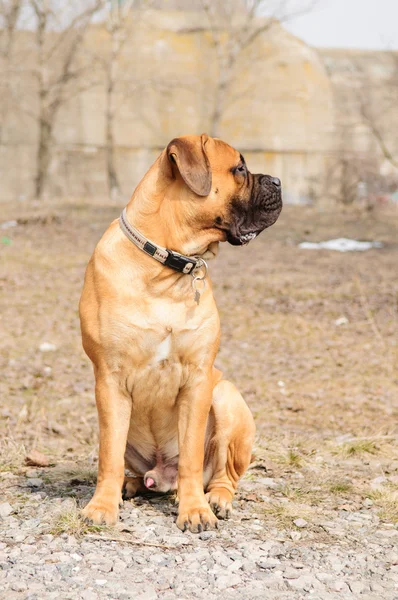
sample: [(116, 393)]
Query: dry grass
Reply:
[(386, 500), (340, 487), (358, 447), (68, 520), (12, 454), (283, 514)]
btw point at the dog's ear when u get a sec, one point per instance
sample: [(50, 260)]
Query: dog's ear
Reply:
[(191, 160)]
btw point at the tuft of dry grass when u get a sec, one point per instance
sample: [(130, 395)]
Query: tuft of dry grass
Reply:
[(283, 514), (292, 458), (358, 447), (12, 454), (69, 520), (84, 474), (340, 487), (386, 499)]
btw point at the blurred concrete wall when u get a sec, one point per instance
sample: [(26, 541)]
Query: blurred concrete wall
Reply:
[(281, 112)]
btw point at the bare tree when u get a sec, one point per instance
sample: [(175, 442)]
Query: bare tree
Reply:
[(123, 18), (235, 25), (9, 14), (119, 25), (377, 106), (59, 36)]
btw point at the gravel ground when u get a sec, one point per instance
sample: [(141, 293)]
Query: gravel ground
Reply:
[(309, 337), (349, 554)]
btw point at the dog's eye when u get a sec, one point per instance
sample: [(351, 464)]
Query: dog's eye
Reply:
[(241, 170)]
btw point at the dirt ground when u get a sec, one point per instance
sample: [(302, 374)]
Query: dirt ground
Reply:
[(309, 337)]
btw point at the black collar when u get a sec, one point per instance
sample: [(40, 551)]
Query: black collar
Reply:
[(174, 260)]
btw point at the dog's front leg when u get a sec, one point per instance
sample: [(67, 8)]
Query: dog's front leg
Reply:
[(194, 401), (114, 410)]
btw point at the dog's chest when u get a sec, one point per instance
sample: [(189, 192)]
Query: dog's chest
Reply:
[(161, 373), (162, 351)]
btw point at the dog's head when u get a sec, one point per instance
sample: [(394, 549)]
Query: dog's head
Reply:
[(207, 187), (224, 196)]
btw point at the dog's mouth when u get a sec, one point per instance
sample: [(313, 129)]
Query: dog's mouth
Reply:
[(237, 239), (241, 239)]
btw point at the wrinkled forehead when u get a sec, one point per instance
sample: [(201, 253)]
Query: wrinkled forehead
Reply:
[(222, 156)]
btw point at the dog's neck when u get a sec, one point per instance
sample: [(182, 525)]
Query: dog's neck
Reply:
[(148, 214)]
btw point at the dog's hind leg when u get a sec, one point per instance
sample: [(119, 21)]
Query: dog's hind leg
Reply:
[(133, 486), (229, 447)]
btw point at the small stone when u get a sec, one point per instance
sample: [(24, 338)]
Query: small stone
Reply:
[(300, 523), (227, 581), (5, 509), (19, 586), (36, 459), (291, 573), (297, 584), (34, 482), (100, 581), (268, 482), (378, 482), (339, 586), (268, 564), (368, 502), (47, 347), (207, 535), (31, 473), (324, 576), (295, 535), (357, 587), (76, 557), (88, 595), (149, 594)]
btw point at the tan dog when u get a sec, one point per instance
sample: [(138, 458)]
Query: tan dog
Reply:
[(164, 411)]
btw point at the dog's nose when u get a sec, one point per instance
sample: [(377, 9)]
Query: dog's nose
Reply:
[(276, 181)]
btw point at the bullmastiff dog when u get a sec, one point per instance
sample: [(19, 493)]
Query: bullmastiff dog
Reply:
[(151, 329)]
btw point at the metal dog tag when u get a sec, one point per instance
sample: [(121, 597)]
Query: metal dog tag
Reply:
[(197, 291)]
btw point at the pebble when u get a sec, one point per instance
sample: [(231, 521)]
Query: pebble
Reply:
[(5, 509), (300, 523), (207, 535), (339, 586), (149, 594), (227, 581), (34, 482), (269, 482), (378, 482), (19, 586)]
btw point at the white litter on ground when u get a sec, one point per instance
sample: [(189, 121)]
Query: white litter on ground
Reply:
[(47, 347), (341, 245), (341, 321), (8, 224)]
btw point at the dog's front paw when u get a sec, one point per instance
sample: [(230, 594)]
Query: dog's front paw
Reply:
[(196, 519), (220, 501), (101, 512)]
